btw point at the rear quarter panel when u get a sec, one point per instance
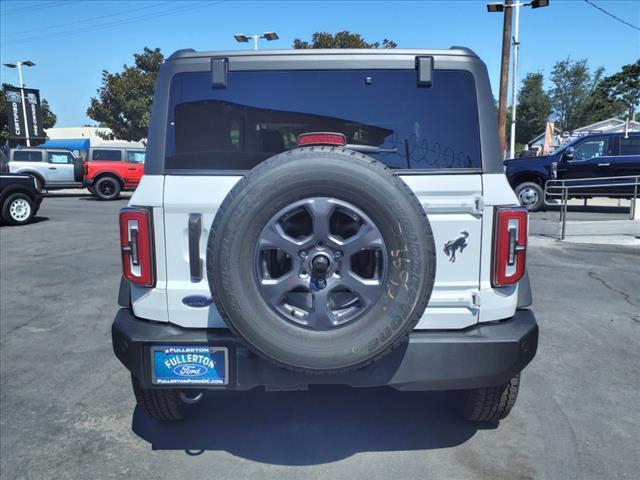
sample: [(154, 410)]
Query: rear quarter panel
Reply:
[(126, 172)]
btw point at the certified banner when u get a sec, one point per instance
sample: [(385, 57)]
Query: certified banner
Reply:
[(16, 113)]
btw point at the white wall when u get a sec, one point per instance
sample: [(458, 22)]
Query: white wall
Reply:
[(88, 132)]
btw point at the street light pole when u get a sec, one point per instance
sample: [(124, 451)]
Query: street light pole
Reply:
[(268, 36), (514, 85)]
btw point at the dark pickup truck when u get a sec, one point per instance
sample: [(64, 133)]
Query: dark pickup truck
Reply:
[(20, 198), (588, 157)]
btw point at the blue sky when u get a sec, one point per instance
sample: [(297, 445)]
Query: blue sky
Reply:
[(73, 41)]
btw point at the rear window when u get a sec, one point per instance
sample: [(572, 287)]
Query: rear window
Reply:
[(261, 113), (135, 157), (630, 145), (60, 157), (107, 155), (20, 156)]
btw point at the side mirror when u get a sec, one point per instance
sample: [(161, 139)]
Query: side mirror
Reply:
[(568, 154)]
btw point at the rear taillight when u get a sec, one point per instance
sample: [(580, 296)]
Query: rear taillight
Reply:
[(136, 243), (510, 246)]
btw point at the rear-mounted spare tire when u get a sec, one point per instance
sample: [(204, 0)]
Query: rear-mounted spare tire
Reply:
[(78, 169), (321, 260)]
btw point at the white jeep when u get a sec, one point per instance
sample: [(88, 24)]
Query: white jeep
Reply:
[(324, 217)]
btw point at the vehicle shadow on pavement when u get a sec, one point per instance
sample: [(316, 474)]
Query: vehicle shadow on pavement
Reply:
[(322, 425), (34, 220), (91, 198)]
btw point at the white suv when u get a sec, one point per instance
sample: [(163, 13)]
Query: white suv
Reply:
[(51, 168), (324, 216)]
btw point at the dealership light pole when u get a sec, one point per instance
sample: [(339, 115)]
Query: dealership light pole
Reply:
[(500, 7), (27, 63), (268, 36)]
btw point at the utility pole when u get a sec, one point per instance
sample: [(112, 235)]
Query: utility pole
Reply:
[(504, 78), (514, 84), (506, 8)]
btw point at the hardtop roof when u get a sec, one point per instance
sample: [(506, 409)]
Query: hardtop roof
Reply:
[(455, 51)]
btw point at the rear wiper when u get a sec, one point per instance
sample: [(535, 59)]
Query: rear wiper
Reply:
[(370, 149)]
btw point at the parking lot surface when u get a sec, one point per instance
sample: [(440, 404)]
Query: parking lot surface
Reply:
[(67, 410)]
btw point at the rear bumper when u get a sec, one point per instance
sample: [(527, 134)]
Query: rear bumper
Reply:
[(479, 356)]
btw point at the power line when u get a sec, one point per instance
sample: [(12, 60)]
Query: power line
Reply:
[(113, 24), (26, 10), (83, 20), (611, 15)]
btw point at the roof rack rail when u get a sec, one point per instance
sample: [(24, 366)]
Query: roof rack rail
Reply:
[(464, 49), (179, 53)]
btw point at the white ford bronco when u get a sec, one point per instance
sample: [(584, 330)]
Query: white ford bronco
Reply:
[(324, 217)]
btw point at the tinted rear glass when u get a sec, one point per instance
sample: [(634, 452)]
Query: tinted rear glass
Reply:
[(110, 155), (630, 145), (135, 157), (261, 113), (32, 156)]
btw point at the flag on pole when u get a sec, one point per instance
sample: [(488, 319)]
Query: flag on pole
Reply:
[(548, 134)]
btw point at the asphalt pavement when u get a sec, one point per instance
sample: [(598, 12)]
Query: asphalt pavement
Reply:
[(67, 410)]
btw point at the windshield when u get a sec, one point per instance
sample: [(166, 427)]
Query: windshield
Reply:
[(261, 113)]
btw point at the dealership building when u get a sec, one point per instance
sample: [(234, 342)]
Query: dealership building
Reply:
[(93, 134)]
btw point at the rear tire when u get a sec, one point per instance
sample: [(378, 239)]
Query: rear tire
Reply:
[(18, 209), (107, 188), (530, 195), (489, 404), (163, 404)]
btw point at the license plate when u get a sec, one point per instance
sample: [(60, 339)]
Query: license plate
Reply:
[(189, 365)]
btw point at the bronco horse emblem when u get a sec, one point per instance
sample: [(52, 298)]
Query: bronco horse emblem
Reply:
[(458, 244)]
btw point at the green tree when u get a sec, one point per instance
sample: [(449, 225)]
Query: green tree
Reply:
[(599, 105), (124, 99), (340, 40), (623, 88), (534, 106), (48, 117), (572, 84)]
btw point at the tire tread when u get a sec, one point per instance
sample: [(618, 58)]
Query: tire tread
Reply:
[(373, 164), (490, 404), (160, 404)]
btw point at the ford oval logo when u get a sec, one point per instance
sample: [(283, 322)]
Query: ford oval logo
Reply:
[(197, 301), (190, 370)]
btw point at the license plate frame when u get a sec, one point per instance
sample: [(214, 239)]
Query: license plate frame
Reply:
[(189, 365)]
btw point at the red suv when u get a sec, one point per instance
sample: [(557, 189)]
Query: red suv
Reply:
[(109, 170)]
